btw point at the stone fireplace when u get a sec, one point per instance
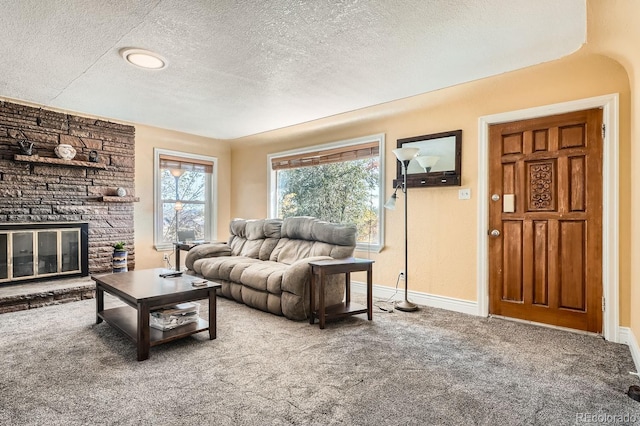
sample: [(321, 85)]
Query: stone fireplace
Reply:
[(42, 188)]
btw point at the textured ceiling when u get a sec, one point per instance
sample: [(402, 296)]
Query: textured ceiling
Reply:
[(238, 68)]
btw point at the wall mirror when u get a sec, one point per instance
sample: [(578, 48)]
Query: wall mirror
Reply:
[(438, 163)]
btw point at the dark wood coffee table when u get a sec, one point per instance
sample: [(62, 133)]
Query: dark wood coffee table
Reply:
[(144, 290)]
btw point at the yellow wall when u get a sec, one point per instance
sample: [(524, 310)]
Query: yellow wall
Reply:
[(442, 229), (613, 31), (148, 138)]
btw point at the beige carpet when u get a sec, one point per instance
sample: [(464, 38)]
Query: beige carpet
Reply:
[(431, 367)]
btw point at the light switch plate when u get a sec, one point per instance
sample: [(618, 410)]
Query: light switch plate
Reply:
[(464, 194), (508, 203)]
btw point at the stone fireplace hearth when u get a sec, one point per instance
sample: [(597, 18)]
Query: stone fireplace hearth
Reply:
[(44, 189)]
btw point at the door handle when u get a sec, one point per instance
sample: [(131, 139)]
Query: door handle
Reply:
[(494, 233)]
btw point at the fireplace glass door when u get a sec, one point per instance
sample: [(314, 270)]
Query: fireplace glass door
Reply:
[(70, 250), (4, 256), (39, 253), (47, 252), (22, 250)]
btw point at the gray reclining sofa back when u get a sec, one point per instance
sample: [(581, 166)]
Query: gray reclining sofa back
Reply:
[(265, 263)]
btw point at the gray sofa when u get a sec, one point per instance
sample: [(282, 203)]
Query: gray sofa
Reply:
[(265, 263)]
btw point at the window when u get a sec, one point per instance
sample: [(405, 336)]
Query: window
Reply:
[(337, 182), (185, 197)]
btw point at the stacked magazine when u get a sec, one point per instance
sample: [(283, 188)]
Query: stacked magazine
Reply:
[(174, 316)]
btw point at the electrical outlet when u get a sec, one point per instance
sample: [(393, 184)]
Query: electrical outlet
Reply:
[(401, 275), (464, 194)]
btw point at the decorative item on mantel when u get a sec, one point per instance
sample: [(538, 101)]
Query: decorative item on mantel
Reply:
[(93, 156), (119, 257), (121, 192), (65, 151), (26, 147)]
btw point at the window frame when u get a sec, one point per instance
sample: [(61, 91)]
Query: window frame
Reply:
[(272, 201), (211, 186)]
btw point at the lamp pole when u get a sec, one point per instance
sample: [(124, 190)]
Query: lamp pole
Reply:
[(177, 178), (176, 173), (404, 156), (405, 305)]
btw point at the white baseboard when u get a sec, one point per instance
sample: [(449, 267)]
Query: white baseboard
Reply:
[(452, 304), (626, 336)]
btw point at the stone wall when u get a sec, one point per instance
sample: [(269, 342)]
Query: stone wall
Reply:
[(35, 192)]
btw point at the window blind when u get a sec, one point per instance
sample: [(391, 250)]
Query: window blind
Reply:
[(327, 156), (185, 164)]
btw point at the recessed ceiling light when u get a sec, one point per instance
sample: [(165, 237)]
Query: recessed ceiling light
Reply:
[(143, 59)]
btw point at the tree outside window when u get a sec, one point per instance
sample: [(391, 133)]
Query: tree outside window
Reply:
[(185, 200), (339, 184), (183, 203)]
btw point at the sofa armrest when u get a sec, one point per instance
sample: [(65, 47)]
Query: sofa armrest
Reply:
[(298, 276), (206, 250)]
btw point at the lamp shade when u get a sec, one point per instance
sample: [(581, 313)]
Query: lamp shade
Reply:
[(176, 172), (406, 154), (427, 161), (391, 203)]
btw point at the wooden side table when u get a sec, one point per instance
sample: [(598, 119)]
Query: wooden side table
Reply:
[(321, 268), (184, 247)]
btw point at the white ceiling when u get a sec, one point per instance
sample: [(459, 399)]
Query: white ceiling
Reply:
[(238, 68)]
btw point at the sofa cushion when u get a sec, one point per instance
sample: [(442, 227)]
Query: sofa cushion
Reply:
[(223, 268), (238, 227), (312, 229), (261, 300), (251, 248), (306, 236), (272, 228), (206, 250), (265, 276), (254, 238), (237, 236), (289, 251), (267, 248), (262, 228)]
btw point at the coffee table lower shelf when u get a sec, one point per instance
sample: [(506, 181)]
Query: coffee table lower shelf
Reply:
[(125, 319)]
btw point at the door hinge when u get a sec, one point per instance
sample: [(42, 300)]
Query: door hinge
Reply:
[(604, 130), (603, 304)]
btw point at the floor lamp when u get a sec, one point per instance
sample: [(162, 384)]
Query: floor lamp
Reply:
[(176, 173), (404, 155)]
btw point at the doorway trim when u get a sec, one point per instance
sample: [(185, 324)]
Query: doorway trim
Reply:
[(610, 200)]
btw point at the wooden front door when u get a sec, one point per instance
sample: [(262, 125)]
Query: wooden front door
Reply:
[(545, 219)]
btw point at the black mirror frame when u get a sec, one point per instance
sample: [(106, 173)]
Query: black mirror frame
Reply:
[(442, 178)]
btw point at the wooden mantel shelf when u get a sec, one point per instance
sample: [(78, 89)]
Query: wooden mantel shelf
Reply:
[(58, 161), (116, 199)]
